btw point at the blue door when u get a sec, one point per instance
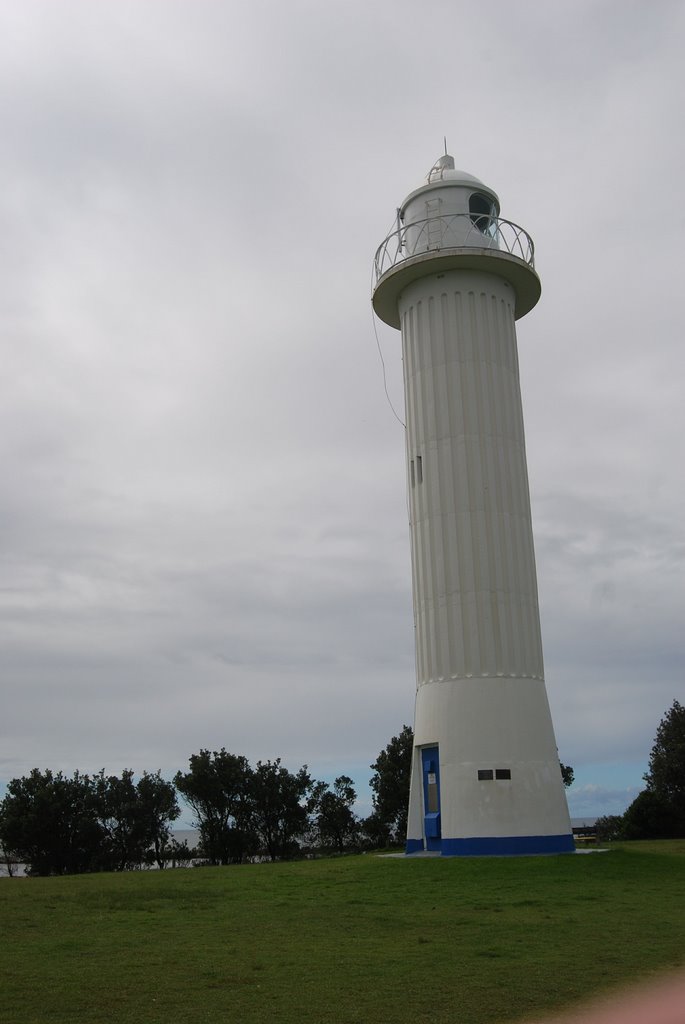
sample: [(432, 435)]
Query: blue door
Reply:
[(431, 797)]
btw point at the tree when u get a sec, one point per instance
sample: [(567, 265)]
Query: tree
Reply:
[(134, 818), (375, 833), (123, 844), (566, 774), (390, 785), (650, 816), (336, 825), (218, 788), (48, 821), (609, 827), (59, 825), (281, 802), (659, 811), (666, 774), (159, 808)]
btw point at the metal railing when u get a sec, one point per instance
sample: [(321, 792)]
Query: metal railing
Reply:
[(456, 231)]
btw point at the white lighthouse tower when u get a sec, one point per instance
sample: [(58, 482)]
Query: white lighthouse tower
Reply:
[(454, 277)]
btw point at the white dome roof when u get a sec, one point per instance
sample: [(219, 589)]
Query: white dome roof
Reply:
[(444, 170)]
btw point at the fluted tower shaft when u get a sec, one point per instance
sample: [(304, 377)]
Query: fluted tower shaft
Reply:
[(474, 576)]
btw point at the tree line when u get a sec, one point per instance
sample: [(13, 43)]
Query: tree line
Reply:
[(57, 824)]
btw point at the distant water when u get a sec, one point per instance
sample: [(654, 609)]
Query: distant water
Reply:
[(191, 836), (18, 871)]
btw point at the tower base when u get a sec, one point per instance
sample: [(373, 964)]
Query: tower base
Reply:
[(485, 778), (499, 846)]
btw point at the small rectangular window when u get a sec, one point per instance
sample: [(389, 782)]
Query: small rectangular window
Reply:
[(432, 793), (502, 773), (419, 469), (484, 774)]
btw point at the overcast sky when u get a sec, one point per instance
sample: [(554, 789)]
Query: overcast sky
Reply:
[(203, 522)]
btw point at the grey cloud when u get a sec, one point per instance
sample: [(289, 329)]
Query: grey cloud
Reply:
[(204, 531)]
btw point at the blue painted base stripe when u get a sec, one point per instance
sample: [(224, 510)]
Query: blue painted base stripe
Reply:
[(502, 846), (414, 846)]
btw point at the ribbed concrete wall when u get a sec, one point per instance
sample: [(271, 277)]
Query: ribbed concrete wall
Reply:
[(474, 578)]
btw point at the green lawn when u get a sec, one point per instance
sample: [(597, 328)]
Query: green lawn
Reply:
[(359, 940)]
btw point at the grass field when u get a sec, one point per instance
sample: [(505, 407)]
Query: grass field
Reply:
[(358, 940)]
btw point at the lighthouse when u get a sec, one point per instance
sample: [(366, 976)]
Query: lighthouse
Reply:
[(454, 277)]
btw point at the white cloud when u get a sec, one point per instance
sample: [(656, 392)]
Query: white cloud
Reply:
[(595, 801)]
